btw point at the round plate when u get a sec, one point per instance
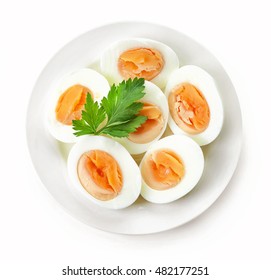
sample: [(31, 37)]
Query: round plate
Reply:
[(49, 156)]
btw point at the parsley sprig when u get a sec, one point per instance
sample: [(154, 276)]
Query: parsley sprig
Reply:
[(117, 114)]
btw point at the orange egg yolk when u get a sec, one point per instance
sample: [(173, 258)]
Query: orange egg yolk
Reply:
[(149, 130), (100, 174), (189, 108), (162, 170), (71, 103), (141, 62)]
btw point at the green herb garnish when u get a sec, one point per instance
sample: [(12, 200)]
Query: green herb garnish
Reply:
[(117, 114)]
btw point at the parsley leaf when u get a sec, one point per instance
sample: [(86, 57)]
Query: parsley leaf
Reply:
[(92, 117), (124, 129), (121, 97), (117, 115)]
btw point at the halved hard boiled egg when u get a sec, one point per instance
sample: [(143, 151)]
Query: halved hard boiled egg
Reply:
[(155, 108), (137, 57), (195, 106), (171, 168), (103, 172), (67, 101)]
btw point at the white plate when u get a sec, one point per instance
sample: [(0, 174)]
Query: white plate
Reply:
[(49, 156)]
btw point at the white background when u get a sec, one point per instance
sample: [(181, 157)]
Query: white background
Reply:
[(232, 238)]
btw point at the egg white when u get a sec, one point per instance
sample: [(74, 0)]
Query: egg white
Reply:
[(192, 157), (155, 96), (109, 59), (130, 171), (89, 78), (206, 84)]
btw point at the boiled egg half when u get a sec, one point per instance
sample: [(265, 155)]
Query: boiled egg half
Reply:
[(103, 172), (138, 57), (155, 108), (67, 101), (171, 168), (195, 106)]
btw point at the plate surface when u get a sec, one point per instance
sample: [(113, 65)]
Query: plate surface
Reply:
[(49, 156)]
